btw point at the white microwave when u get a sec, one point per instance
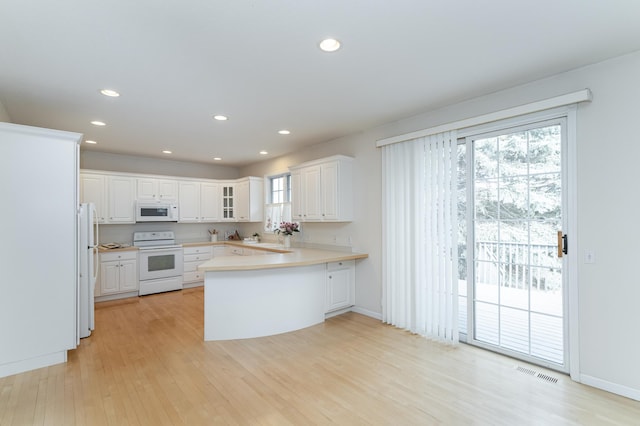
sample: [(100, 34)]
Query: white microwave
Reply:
[(156, 212)]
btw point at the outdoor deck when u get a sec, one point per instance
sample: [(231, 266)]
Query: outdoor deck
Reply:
[(507, 325)]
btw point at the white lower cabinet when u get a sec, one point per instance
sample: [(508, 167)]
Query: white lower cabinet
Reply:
[(193, 257), (118, 272), (220, 250), (341, 285), (235, 251)]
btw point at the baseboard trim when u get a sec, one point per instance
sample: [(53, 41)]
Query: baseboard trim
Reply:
[(610, 387), (367, 312), (116, 296), (18, 367), (336, 313), (193, 284)]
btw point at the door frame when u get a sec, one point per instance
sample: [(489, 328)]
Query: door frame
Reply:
[(569, 199)]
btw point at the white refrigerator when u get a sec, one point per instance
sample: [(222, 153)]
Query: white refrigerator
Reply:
[(87, 268)]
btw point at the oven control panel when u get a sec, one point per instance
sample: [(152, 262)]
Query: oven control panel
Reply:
[(142, 239)]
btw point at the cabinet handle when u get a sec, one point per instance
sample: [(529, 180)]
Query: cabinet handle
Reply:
[(340, 263), (330, 277)]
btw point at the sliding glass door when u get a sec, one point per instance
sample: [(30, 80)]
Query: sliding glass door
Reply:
[(510, 198)]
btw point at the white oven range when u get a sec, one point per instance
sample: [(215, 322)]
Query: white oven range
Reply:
[(161, 262)]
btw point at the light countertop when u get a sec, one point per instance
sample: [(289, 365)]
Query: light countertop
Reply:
[(107, 250), (277, 258)]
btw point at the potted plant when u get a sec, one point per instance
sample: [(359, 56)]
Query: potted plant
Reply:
[(287, 229)]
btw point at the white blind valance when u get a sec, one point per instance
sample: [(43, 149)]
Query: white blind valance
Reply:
[(558, 101)]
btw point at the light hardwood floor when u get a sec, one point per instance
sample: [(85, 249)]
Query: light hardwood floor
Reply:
[(147, 364)]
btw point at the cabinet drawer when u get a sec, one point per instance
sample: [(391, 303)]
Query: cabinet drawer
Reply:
[(238, 251), (119, 255), (343, 264), (197, 257), (189, 277), (198, 250), (191, 266)]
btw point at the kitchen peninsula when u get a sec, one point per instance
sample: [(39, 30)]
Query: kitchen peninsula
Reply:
[(276, 292)]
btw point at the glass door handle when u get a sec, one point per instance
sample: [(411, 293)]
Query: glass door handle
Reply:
[(563, 244)]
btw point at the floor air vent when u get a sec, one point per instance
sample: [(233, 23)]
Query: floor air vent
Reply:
[(540, 376), (526, 371), (547, 378)]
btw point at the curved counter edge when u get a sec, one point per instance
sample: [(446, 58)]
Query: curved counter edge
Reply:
[(263, 295), (248, 304)]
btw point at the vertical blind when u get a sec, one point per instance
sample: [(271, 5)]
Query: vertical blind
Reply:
[(420, 279)]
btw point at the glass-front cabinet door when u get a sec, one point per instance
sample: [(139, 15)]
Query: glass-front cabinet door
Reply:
[(227, 202)]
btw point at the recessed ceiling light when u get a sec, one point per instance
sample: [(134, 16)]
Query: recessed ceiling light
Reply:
[(284, 132), (221, 117), (98, 123), (110, 93), (329, 45), (217, 159), (263, 152), (166, 151), (91, 142)]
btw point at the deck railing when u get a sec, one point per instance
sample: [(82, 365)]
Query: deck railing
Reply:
[(515, 265)]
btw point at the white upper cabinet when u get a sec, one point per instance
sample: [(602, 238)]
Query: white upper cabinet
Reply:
[(150, 189), (93, 190), (322, 190), (210, 202), (113, 196), (189, 202), (199, 201), (249, 199), (311, 193), (121, 199)]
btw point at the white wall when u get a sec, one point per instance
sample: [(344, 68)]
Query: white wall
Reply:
[(607, 157), (96, 160), (4, 115), (184, 232)]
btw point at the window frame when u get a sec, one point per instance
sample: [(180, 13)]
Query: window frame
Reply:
[(286, 190), (283, 208)]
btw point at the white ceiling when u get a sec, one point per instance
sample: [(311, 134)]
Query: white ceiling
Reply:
[(179, 62)]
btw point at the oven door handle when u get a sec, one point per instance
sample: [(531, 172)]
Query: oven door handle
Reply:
[(147, 250)]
